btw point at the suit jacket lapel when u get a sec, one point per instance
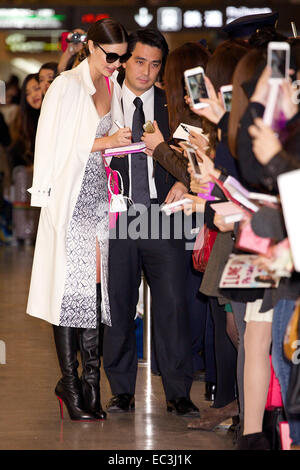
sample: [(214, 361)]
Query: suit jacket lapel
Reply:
[(161, 112)]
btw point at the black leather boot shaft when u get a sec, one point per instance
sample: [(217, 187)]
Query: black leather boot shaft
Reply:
[(69, 388), (90, 356)]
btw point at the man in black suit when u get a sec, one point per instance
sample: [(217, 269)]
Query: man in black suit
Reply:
[(161, 258)]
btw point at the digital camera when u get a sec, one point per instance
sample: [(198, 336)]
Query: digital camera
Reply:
[(76, 38)]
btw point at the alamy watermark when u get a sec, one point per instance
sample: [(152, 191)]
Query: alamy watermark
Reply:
[(296, 94), (296, 354), (2, 92), (140, 223), (2, 352)]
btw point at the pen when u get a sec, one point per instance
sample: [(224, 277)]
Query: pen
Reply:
[(185, 129), (294, 29), (118, 124)]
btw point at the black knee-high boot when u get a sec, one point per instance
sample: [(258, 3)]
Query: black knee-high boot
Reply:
[(68, 388), (89, 339)]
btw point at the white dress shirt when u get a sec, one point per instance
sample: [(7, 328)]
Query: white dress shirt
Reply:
[(128, 108)]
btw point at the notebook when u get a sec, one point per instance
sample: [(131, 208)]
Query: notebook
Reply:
[(131, 148)]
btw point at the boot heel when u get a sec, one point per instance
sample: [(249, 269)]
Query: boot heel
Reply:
[(61, 408)]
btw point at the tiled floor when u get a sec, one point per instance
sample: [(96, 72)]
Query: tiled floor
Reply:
[(29, 416)]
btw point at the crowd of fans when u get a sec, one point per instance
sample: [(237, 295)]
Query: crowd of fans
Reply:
[(247, 323), (246, 148)]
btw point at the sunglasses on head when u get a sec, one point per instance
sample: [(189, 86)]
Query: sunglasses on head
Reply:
[(113, 57)]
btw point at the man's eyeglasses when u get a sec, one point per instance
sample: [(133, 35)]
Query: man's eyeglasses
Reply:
[(113, 57)]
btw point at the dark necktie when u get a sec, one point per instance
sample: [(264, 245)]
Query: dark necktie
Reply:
[(139, 166)]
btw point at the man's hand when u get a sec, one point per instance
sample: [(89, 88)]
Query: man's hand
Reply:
[(152, 140)]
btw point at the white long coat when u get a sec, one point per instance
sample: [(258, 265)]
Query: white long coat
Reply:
[(65, 135)]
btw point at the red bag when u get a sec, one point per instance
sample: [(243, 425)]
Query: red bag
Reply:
[(202, 248), (274, 398)]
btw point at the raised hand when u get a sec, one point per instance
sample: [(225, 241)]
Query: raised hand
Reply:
[(215, 111), (262, 87), (197, 204), (207, 169), (265, 143)]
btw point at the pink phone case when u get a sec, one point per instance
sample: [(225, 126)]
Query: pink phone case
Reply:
[(207, 196)]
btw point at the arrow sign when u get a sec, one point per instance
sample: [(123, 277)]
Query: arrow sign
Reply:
[(143, 18)]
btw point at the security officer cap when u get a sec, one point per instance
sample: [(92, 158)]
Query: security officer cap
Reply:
[(247, 25)]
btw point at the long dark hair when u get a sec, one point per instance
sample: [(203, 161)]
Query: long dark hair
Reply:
[(222, 63), (24, 128), (107, 31), (187, 56), (50, 66), (249, 67)]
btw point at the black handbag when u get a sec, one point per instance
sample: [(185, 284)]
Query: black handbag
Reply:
[(272, 418), (293, 393)]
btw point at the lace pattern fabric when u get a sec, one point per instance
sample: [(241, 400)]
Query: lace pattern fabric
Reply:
[(90, 221)]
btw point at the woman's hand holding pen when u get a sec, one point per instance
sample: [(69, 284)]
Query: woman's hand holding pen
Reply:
[(120, 138)]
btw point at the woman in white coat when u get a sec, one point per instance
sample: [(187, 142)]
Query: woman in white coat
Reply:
[(70, 185)]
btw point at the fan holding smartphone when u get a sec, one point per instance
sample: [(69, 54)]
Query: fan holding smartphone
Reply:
[(192, 157), (195, 83), (226, 93), (279, 64), (279, 60)]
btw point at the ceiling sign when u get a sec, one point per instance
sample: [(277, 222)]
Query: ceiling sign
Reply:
[(143, 18), (33, 42), (169, 19), (192, 19), (213, 19), (25, 18)]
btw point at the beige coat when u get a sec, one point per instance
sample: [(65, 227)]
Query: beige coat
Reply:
[(65, 136)]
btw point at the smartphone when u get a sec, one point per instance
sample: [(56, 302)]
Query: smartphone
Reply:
[(192, 157), (168, 209), (279, 60), (148, 127), (196, 87), (226, 92)]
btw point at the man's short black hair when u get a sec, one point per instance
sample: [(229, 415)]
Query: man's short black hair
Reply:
[(150, 37)]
